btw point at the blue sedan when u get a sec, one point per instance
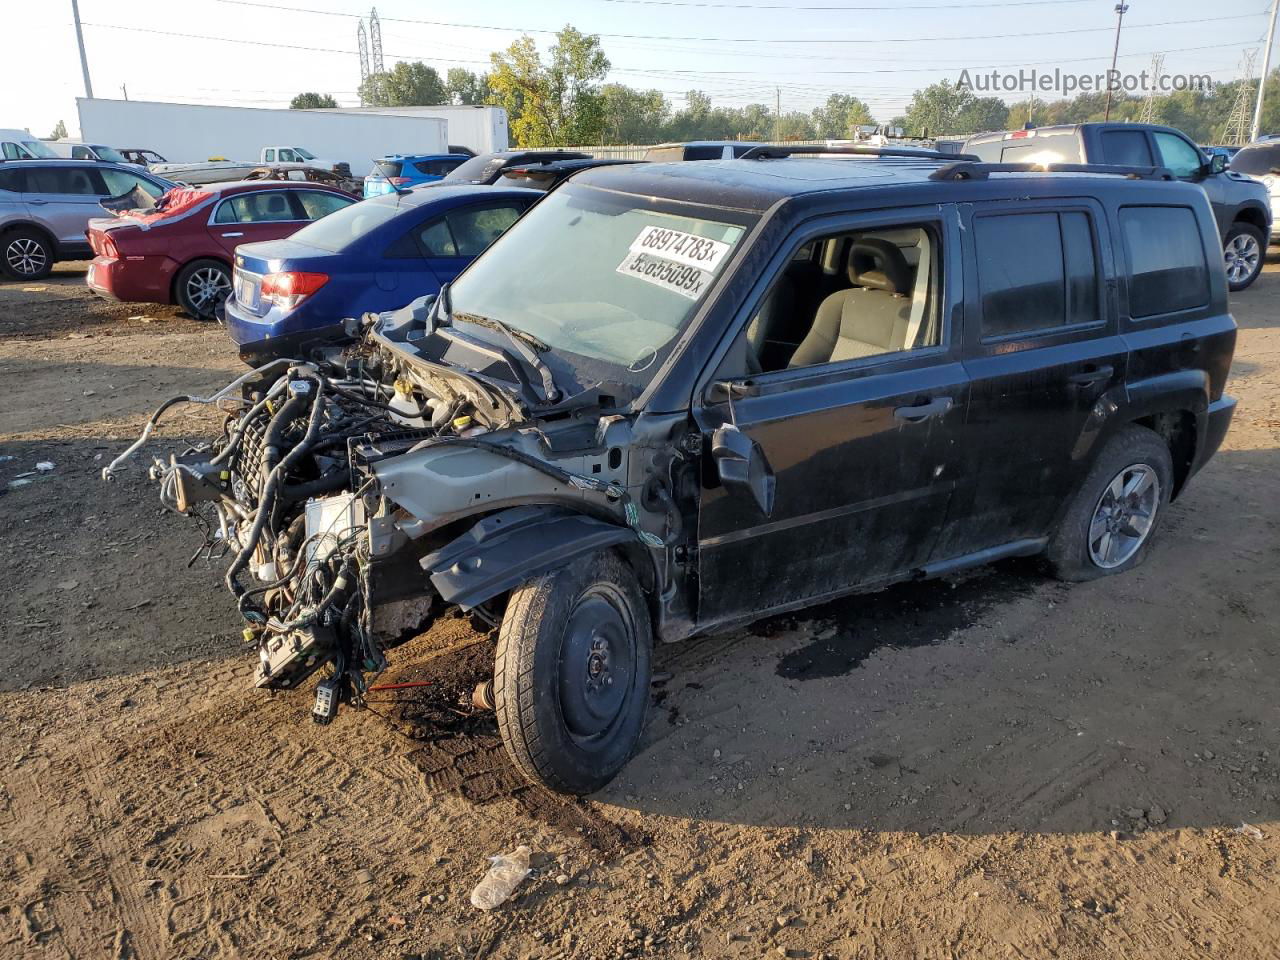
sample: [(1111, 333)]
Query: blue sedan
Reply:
[(292, 295)]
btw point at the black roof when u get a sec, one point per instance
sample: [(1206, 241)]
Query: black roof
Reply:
[(756, 185)]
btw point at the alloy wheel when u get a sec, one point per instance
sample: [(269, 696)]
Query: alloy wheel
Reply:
[(25, 256), (1124, 516), (207, 287), (1242, 255)]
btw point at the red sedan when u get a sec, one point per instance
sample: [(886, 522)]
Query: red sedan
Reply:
[(181, 252)]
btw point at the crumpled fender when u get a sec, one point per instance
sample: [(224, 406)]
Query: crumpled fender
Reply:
[(507, 548)]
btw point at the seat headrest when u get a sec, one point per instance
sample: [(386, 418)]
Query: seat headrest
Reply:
[(879, 265)]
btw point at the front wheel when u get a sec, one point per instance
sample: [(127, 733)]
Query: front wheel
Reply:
[(571, 680), (1113, 517), (27, 255), (1243, 251), (201, 286)]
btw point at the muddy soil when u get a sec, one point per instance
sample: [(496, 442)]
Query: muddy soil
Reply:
[(996, 765)]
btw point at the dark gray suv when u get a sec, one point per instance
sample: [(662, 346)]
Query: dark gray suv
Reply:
[(45, 206)]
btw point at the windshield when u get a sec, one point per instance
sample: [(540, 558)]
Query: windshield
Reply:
[(304, 154), (39, 150), (110, 155), (1257, 161), (347, 225), (477, 168), (608, 281)]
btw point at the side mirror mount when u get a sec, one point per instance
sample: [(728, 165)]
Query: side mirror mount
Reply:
[(743, 467)]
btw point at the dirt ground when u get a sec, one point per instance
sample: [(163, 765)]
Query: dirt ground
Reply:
[(993, 766)]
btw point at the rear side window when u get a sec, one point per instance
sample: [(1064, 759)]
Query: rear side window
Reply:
[(11, 181), (1126, 148), (465, 233), (118, 182), (436, 168), (1061, 149), (1168, 271), (1036, 272), (317, 204), (262, 207), (73, 181)]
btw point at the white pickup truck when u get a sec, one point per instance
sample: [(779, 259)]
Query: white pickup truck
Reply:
[(217, 169), (304, 156)]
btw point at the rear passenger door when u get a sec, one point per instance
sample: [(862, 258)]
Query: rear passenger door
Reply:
[(1042, 351), (253, 216), (63, 199)]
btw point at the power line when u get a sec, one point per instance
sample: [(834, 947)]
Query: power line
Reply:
[(851, 9), (643, 36), (632, 70)]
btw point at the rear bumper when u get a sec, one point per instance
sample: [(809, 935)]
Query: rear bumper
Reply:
[(296, 334), (135, 280), (1217, 423)]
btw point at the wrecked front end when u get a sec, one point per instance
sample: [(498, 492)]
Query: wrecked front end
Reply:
[(355, 496)]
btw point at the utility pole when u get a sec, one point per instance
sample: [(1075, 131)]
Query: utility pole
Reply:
[(777, 114), (1266, 68), (124, 90), (84, 60), (1121, 10)]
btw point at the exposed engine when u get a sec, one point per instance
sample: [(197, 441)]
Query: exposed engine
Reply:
[(325, 491)]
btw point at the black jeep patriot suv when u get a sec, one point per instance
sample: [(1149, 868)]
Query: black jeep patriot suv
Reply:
[(1241, 206), (677, 397)]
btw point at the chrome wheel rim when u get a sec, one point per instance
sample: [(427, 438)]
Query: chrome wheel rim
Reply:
[(25, 256), (207, 287), (1124, 516), (1242, 256)]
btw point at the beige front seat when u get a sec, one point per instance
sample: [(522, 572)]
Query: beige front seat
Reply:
[(870, 318)]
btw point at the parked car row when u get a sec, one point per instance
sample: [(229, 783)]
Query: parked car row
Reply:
[(673, 399)]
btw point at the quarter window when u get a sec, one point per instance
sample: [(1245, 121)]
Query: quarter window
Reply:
[(1182, 159), (1167, 266), (118, 182), (11, 181), (1126, 148), (1037, 272)]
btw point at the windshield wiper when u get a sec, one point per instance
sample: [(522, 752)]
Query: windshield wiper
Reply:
[(527, 345)]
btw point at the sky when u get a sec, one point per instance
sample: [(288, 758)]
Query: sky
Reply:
[(244, 52)]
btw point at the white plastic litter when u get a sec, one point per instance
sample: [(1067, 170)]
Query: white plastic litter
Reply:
[(1249, 830), (45, 466), (505, 873)]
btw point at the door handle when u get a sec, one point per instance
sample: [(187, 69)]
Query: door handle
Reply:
[(37, 203), (923, 411), (233, 234), (1093, 375)]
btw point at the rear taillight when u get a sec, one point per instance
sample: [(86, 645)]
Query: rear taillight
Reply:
[(289, 289), (108, 247)]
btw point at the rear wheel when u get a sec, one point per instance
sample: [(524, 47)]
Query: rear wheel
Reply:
[(201, 286), (1243, 251), (571, 681), (26, 254), (1114, 515)]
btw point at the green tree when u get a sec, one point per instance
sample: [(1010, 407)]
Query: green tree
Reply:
[(981, 114), (312, 101), (461, 86), (839, 117), (936, 109), (633, 116), (404, 85), (796, 126), (557, 103), (59, 132)]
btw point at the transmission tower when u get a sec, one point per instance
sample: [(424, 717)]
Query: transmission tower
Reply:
[(1148, 114), (1236, 131), (375, 41), (362, 44)]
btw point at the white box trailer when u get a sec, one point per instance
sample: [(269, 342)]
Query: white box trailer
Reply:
[(186, 132), (481, 129)]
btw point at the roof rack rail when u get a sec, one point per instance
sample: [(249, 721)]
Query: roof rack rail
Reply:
[(769, 151), (966, 170)]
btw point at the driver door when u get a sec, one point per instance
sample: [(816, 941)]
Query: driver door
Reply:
[(860, 446)]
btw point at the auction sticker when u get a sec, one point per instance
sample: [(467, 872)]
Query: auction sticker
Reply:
[(679, 278), (687, 248)]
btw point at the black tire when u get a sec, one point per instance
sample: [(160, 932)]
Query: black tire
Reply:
[(26, 254), (571, 712), (201, 286), (1071, 553), (1246, 246)]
